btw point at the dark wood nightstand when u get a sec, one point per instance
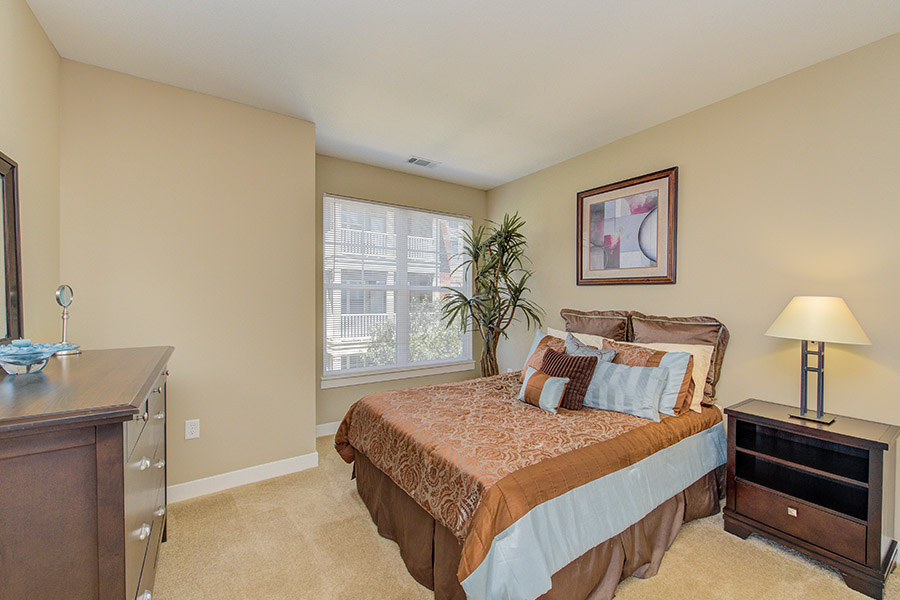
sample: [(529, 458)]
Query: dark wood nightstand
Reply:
[(826, 491)]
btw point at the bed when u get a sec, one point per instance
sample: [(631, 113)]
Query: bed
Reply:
[(491, 498)]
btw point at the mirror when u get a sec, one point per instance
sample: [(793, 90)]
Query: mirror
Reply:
[(64, 295), (9, 195)]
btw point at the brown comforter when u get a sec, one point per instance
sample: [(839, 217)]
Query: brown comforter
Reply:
[(477, 459)]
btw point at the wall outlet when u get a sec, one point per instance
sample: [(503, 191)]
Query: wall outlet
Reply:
[(508, 370), (192, 429)]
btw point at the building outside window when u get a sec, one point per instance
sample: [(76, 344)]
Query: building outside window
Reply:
[(384, 270)]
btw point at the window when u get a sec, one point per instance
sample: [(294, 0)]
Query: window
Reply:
[(385, 267)]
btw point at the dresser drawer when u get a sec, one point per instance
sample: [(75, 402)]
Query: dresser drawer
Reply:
[(824, 529), (144, 502)]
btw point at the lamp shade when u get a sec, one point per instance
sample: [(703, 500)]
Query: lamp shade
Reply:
[(818, 319)]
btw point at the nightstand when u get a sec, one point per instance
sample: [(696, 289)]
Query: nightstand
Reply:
[(825, 491)]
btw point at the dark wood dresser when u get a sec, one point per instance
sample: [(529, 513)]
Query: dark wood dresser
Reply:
[(824, 490), (83, 476)]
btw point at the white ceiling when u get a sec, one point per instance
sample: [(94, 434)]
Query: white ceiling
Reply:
[(493, 89)]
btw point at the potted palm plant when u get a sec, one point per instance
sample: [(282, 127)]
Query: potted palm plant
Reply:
[(494, 260)]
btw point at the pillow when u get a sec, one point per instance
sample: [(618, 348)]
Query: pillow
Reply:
[(632, 390), (611, 324), (579, 369), (679, 391), (706, 331), (595, 341), (541, 390), (702, 356), (539, 346), (575, 347)]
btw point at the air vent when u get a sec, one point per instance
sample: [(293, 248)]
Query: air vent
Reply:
[(423, 162)]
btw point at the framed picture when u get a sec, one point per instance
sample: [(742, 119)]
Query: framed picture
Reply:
[(626, 231)]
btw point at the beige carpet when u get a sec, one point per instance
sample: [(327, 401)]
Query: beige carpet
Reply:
[(309, 536)]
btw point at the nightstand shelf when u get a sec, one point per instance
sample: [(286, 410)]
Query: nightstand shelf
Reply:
[(827, 491)]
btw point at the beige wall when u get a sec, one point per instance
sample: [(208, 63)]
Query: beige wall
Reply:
[(787, 189), (336, 176), (29, 134), (187, 221)]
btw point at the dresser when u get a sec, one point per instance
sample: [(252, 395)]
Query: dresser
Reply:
[(83, 476), (824, 490)]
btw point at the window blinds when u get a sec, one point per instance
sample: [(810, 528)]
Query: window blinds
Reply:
[(384, 270)]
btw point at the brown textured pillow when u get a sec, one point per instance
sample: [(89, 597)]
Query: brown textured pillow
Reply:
[(537, 357), (612, 324), (579, 370), (707, 331)]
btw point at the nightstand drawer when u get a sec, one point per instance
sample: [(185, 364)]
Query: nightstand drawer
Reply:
[(825, 529)]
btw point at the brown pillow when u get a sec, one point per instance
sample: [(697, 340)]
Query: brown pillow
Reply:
[(709, 331), (612, 324), (537, 357), (579, 370)]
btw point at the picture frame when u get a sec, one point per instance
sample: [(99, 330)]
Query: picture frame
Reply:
[(626, 231)]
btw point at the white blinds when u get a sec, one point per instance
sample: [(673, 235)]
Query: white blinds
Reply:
[(384, 269)]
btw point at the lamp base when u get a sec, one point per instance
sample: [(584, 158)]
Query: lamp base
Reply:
[(810, 415)]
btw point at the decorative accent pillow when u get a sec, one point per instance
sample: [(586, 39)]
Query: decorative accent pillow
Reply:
[(579, 370), (679, 391), (595, 341), (633, 390), (542, 342), (632, 355), (575, 347), (702, 365), (612, 324), (705, 331), (541, 390)]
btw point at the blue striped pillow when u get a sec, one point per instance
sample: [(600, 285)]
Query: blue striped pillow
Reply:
[(632, 390)]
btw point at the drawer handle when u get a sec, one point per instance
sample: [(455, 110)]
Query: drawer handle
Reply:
[(142, 416), (147, 595), (159, 416), (792, 512), (167, 372), (158, 390), (160, 464), (160, 512), (144, 463), (143, 533)]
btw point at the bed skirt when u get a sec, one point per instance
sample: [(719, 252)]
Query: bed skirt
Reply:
[(431, 553)]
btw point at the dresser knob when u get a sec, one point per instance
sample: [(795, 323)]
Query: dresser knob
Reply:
[(147, 595), (143, 533), (159, 416), (160, 512), (792, 512), (158, 390), (167, 373), (160, 464), (144, 463)]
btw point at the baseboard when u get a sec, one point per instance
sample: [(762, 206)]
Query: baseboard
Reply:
[(327, 429), (218, 483)]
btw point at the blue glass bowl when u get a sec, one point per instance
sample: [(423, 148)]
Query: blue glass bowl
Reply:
[(21, 356)]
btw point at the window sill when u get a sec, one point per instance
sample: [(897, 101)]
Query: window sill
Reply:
[(342, 380)]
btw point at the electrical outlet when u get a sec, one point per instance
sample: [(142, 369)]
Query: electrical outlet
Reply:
[(192, 429), (508, 370)]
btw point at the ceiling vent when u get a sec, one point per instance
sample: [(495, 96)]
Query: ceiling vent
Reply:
[(423, 162)]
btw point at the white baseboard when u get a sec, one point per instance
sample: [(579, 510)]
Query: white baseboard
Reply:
[(217, 483), (327, 429)]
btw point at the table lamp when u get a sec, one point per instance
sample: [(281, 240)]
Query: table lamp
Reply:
[(816, 320)]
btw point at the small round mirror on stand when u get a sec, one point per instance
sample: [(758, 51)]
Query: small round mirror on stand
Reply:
[(64, 297)]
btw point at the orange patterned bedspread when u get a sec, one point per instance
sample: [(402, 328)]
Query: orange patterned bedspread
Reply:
[(445, 445)]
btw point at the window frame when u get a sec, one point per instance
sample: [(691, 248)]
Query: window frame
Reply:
[(358, 376)]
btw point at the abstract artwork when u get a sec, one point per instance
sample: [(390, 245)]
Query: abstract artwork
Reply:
[(627, 231)]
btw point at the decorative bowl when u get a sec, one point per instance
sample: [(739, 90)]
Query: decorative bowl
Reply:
[(21, 356)]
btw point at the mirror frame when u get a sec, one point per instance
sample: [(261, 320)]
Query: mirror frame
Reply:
[(12, 252)]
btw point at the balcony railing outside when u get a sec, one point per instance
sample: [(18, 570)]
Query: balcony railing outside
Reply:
[(362, 326)]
